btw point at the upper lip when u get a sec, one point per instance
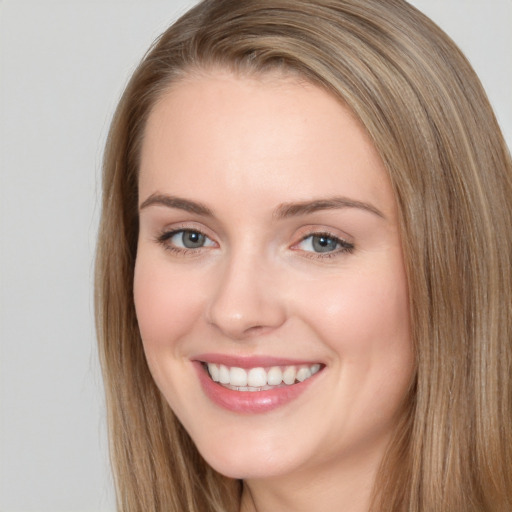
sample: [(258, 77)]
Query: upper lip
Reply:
[(252, 361)]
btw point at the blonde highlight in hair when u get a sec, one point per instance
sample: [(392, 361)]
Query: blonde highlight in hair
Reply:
[(429, 119)]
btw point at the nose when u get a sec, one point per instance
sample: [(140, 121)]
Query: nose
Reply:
[(247, 299)]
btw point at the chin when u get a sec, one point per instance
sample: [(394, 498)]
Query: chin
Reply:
[(252, 456), (243, 468)]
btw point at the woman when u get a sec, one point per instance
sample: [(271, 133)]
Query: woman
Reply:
[(303, 274)]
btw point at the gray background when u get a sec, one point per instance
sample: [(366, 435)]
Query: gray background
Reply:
[(63, 65)]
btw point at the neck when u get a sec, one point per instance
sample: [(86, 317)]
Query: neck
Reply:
[(336, 486)]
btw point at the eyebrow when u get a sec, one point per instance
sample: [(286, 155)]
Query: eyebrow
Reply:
[(283, 211), (178, 203), (294, 209)]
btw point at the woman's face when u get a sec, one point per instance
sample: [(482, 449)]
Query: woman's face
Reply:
[(269, 251)]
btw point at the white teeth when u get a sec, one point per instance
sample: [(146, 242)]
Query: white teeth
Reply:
[(289, 375), (257, 379), (237, 376), (303, 374), (274, 376), (224, 374), (214, 371)]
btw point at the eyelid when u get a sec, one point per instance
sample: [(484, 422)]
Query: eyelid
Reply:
[(346, 246), (164, 236), (176, 227)]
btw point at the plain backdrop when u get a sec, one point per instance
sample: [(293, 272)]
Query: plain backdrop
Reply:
[(63, 65)]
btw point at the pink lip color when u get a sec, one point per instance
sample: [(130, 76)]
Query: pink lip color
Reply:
[(249, 402), (250, 361)]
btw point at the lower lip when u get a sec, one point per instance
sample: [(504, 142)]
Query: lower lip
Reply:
[(250, 402)]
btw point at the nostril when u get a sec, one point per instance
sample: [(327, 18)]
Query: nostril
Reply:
[(245, 302), (245, 317)]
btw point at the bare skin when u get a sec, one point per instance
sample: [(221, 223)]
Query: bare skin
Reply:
[(269, 231)]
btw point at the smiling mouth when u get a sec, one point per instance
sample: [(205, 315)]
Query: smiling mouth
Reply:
[(260, 378)]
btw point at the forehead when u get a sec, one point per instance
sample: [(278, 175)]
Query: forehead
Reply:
[(219, 130)]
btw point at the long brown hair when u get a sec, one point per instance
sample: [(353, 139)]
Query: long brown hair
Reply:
[(429, 118)]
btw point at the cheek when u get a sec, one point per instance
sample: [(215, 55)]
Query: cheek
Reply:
[(166, 303), (363, 317), (364, 320), (360, 313)]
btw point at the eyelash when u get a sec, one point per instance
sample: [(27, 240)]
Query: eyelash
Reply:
[(164, 237), (345, 247)]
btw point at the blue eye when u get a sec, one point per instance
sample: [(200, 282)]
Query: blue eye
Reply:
[(322, 243), (185, 239)]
